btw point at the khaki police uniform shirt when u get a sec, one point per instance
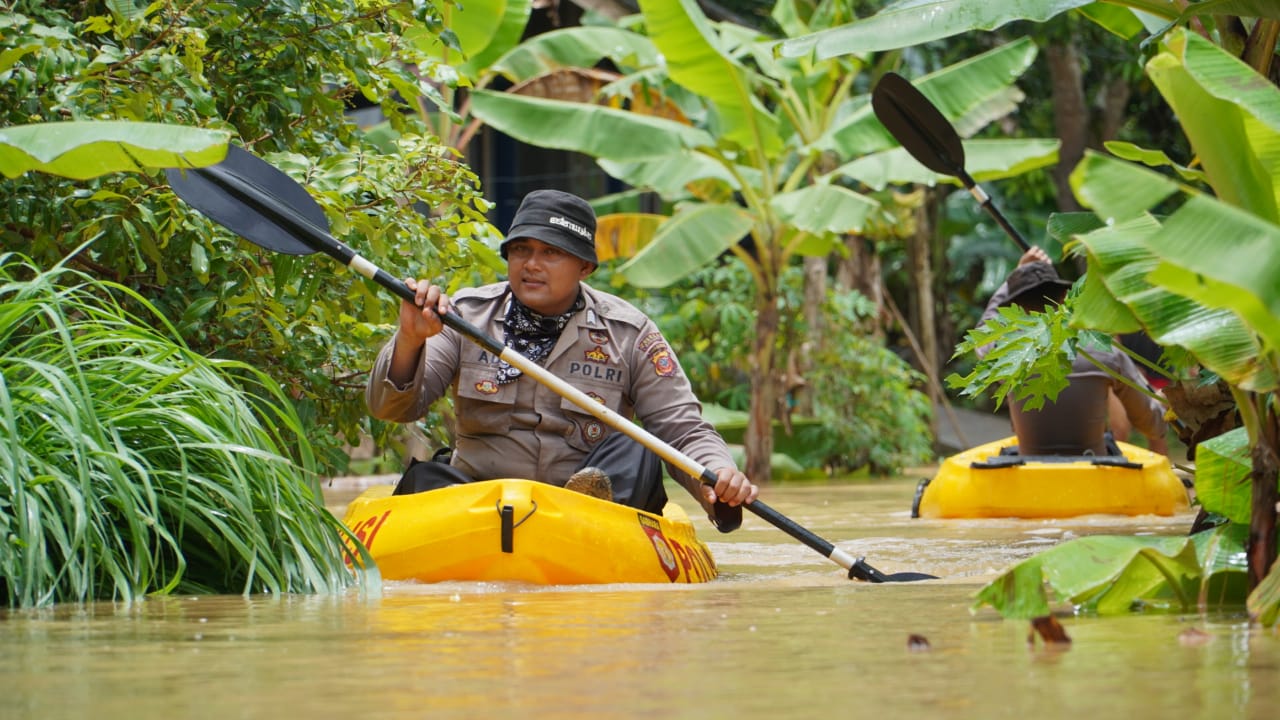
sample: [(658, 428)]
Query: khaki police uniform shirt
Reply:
[(523, 429)]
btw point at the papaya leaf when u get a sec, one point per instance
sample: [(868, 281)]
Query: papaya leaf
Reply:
[(1030, 356)]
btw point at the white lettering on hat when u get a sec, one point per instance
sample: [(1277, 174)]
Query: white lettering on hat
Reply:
[(570, 225)]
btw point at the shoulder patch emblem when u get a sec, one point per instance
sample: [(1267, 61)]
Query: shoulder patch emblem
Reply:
[(487, 387), (597, 355), (663, 364)]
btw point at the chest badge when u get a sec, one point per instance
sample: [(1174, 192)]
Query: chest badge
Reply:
[(598, 337), (597, 355), (487, 387), (592, 432)]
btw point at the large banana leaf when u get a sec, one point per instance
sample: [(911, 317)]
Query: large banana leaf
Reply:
[(1230, 114), (670, 174), (688, 240), (690, 47), (83, 150), (970, 93), (984, 160), (1222, 475), (1224, 258), (622, 235), (597, 131), (1111, 574), (823, 209), (913, 22), (575, 47), (1208, 277), (470, 28), (906, 24), (1121, 260)]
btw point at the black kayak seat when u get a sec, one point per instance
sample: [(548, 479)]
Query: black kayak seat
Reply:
[(1006, 461)]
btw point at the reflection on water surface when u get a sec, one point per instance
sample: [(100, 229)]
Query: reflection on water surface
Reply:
[(782, 633)]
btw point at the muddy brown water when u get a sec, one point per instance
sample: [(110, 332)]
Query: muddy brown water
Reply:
[(781, 633)]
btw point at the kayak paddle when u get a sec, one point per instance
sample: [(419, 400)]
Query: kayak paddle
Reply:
[(263, 205), (929, 138)]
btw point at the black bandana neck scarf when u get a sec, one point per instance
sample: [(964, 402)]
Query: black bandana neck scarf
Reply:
[(532, 335)]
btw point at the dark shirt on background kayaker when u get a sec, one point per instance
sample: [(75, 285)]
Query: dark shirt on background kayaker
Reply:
[(512, 426), (1076, 422)]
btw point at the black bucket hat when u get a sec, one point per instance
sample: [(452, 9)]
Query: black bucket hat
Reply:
[(1034, 280), (556, 218)]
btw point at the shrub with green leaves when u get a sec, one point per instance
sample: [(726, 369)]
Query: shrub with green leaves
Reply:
[(133, 465), (871, 411), (279, 76)]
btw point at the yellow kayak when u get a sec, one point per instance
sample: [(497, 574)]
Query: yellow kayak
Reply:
[(981, 483), (521, 530)]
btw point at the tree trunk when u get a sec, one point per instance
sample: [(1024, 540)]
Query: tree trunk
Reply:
[(920, 259), (815, 294), (1261, 546), (860, 271), (1071, 116), (758, 440)]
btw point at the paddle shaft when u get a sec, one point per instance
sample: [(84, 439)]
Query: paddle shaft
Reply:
[(927, 135), (985, 201), (255, 197)]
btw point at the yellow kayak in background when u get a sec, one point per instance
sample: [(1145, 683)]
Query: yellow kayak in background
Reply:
[(982, 483), (526, 531)]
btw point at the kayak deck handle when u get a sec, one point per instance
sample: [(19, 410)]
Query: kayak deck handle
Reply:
[(507, 513)]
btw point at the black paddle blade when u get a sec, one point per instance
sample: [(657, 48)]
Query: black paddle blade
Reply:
[(252, 198), (914, 121), (862, 571)]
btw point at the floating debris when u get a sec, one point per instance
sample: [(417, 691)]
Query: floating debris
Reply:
[(1049, 630), (918, 643), (1193, 637)]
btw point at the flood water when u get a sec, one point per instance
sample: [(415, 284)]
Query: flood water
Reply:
[(781, 634)]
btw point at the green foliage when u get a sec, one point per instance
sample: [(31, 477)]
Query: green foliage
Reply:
[(133, 465), (277, 77), (1030, 355), (1222, 476), (868, 409), (867, 400), (1111, 574), (708, 317)]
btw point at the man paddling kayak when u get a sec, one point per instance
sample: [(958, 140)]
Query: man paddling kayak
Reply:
[(510, 425), (1076, 422)]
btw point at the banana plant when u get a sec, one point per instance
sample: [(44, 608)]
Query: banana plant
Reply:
[(899, 24), (1205, 279), (745, 145)]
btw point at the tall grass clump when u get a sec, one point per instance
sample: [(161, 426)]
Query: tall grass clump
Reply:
[(131, 465)]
